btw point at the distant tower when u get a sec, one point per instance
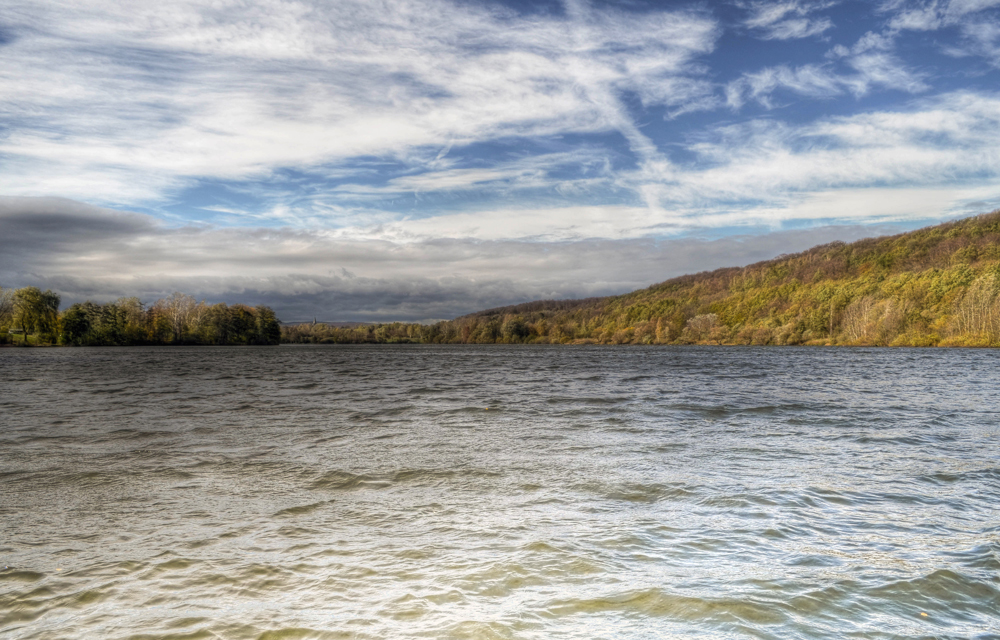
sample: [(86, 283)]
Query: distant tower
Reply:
[(314, 321)]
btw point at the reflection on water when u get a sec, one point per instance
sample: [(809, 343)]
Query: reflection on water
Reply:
[(499, 492)]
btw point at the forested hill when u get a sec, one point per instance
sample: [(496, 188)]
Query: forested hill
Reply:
[(933, 286)]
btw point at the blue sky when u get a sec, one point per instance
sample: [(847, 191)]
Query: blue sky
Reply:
[(529, 149)]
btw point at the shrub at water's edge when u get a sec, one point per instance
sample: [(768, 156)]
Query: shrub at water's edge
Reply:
[(936, 286), (29, 316)]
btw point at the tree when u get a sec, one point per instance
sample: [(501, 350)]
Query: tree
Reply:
[(37, 311), (177, 309), (158, 325), (243, 324), (978, 312), (6, 308), (218, 327), (703, 327), (50, 314), (268, 327), (76, 325), (858, 319), (132, 317), (514, 330)]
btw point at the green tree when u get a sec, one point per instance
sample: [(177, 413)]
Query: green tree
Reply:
[(218, 326), (243, 324), (37, 311), (514, 330), (76, 325), (132, 317), (268, 327)]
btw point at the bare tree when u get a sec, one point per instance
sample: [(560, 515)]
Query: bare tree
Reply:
[(976, 314), (891, 320), (870, 321), (178, 308), (198, 316), (857, 320), (703, 327)]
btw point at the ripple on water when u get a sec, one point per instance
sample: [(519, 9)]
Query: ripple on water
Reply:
[(498, 492)]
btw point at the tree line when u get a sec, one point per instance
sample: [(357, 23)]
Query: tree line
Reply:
[(29, 316), (938, 286)]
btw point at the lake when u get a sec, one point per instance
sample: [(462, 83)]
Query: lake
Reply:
[(499, 492)]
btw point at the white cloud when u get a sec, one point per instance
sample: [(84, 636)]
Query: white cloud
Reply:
[(871, 58), (983, 39), (787, 20), (928, 15), (530, 171), (930, 159), (132, 104), (958, 8), (978, 25), (557, 224), (767, 170), (756, 172), (921, 18), (816, 81)]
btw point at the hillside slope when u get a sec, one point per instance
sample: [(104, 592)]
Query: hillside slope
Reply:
[(933, 286)]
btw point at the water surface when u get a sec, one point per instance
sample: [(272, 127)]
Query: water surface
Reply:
[(499, 492)]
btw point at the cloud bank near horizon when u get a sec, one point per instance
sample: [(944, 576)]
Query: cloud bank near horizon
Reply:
[(68, 246)]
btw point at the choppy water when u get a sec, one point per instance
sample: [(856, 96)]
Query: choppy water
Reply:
[(499, 492)]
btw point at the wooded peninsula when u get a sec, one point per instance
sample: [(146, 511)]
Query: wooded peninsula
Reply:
[(29, 316), (938, 286)]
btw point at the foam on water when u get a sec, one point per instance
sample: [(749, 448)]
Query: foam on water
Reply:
[(499, 492)]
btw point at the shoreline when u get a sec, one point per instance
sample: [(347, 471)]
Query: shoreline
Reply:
[(504, 344)]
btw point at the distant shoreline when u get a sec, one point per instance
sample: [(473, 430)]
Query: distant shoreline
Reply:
[(30, 315), (937, 286), (498, 344), (934, 287)]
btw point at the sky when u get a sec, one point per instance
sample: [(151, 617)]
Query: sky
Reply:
[(421, 159)]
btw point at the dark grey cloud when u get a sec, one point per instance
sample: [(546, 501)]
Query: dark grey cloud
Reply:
[(47, 224), (86, 252)]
